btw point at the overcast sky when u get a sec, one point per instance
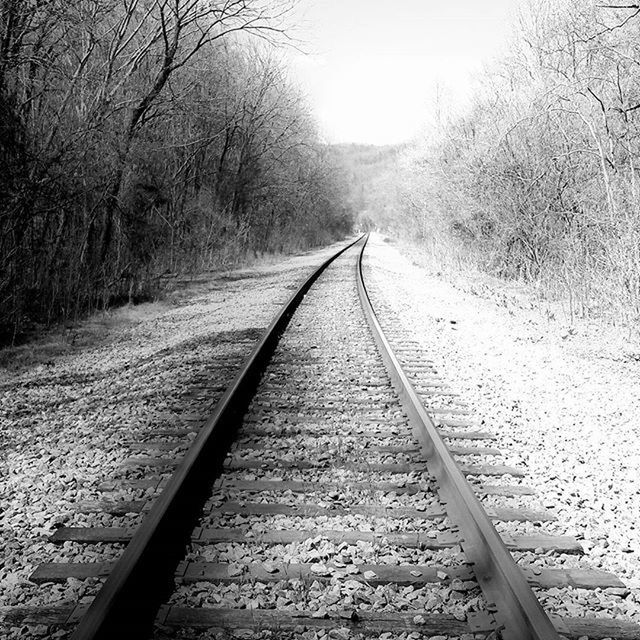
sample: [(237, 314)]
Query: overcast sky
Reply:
[(373, 66)]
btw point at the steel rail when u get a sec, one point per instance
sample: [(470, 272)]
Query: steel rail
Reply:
[(518, 613), (126, 605)]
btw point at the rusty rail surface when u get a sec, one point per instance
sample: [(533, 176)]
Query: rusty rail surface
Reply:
[(518, 612), (142, 578)]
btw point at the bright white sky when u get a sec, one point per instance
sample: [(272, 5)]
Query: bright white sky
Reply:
[(374, 66)]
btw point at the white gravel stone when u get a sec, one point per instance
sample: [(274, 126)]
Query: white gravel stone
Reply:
[(70, 405), (563, 400)]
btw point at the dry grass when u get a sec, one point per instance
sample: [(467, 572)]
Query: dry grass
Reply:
[(590, 299), (70, 338), (99, 327)]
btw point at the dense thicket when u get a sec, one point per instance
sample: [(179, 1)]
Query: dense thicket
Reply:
[(540, 178), (140, 137)]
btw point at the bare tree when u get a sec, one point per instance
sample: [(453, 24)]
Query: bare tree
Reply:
[(140, 136), (539, 179)]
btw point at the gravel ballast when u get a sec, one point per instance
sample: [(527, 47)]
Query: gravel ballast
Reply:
[(563, 400), (69, 407), (327, 334)]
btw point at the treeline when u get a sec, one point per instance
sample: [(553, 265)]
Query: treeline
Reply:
[(539, 180), (145, 137), (372, 173)]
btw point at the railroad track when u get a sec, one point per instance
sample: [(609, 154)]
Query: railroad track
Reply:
[(337, 489)]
